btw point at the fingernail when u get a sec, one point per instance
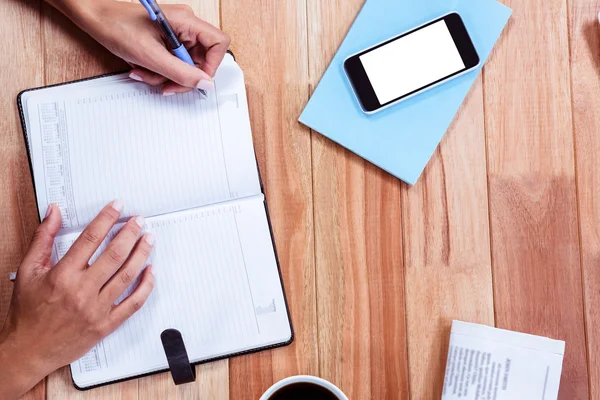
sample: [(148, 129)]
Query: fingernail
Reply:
[(140, 221), (205, 85), (117, 205), (49, 210), (150, 269), (150, 239), (136, 77), (168, 94)]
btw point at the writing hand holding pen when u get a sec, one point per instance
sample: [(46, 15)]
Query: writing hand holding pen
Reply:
[(172, 40), (125, 29)]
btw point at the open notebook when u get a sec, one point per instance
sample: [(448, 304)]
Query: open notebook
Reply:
[(187, 164)]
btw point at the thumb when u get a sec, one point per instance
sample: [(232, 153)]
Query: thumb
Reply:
[(40, 250), (172, 68)]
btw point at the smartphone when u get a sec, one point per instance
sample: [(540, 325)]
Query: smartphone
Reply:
[(411, 63)]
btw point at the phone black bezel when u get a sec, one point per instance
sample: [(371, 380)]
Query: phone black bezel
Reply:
[(362, 85)]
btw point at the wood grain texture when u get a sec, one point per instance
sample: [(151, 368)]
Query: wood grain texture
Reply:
[(447, 247), (585, 72), (358, 245), (19, 16), (212, 382), (269, 41), (533, 206), (70, 53), (20, 68), (375, 271)]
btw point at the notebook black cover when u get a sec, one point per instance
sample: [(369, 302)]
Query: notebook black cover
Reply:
[(22, 117)]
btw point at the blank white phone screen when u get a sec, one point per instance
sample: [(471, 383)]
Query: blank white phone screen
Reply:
[(412, 62)]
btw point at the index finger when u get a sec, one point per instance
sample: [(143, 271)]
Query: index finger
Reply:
[(93, 235), (215, 44), (214, 56)]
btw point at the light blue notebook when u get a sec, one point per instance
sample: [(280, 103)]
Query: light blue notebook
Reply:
[(402, 138)]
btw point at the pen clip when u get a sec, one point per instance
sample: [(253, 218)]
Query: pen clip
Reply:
[(148, 8)]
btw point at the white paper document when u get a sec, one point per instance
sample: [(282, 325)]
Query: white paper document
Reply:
[(486, 363)]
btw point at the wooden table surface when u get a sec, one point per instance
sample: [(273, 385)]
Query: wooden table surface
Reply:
[(502, 228)]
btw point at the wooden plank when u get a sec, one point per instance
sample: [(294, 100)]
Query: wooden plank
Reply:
[(447, 247), (358, 245), (70, 54), (212, 380), (585, 66), (21, 67), (269, 41), (533, 206), (19, 70), (60, 387)]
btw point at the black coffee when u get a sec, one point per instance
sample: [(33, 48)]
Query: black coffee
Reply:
[(303, 391)]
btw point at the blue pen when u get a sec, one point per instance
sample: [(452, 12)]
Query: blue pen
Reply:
[(175, 45)]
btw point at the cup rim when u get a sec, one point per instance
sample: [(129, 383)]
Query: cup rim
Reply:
[(304, 378)]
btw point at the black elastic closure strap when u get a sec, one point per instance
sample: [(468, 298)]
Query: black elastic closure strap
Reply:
[(179, 362)]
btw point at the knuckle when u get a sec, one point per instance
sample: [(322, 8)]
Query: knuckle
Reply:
[(99, 332), (134, 229), (127, 277), (151, 282), (62, 279), (137, 305), (107, 214), (56, 282), (145, 250), (91, 236), (185, 8), (114, 256), (57, 287), (77, 302)]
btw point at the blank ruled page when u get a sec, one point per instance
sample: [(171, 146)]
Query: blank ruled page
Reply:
[(217, 282), (122, 139)]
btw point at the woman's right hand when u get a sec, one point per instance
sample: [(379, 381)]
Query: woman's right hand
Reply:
[(126, 30)]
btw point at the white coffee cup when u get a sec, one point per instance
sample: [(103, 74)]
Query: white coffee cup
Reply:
[(304, 379)]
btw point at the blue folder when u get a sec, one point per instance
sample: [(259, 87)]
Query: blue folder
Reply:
[(402, 138)]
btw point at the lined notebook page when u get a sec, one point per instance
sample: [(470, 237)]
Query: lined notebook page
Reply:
[(24, 97), (93, 143), (217, 282)]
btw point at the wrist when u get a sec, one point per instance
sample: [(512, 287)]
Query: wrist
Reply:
[(19, 370)]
